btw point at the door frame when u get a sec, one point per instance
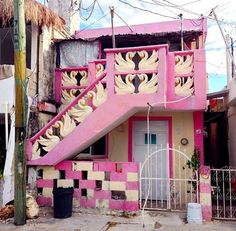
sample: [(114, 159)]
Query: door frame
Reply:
[(151, 118)]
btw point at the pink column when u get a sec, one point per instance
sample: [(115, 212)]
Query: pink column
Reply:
[(198, 133), (205, 192), (58, 77), (110, 73), (91, 72), (162, 74)]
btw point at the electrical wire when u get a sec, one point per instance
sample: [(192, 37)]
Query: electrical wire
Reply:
[(91, 12), (145, 10), (108, 12)]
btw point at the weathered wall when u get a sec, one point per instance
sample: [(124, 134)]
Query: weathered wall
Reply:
[(118, 143), (182, 127), (108, 185), (69, 11), (232, 136)]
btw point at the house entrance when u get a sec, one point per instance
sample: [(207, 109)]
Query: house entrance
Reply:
[(166, 183), (158, 137)]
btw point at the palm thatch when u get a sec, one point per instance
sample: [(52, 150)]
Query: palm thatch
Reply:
[(35, 13)]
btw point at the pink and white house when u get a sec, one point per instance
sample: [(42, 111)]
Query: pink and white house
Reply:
[(146, 96)]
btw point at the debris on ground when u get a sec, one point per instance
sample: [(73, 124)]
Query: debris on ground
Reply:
[(32, 208), (6, 212), (111, 224), (157, 225)]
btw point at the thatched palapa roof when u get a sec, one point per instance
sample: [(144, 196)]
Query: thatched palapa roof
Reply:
[(35, 13)]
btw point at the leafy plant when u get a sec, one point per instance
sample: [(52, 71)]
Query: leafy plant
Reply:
[(194, 163)]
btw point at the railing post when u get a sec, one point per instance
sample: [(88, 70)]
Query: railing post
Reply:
[(110, 73), (162, 74), (200, 75), (205, 192), (170, 76), (58, 83), (91, 72)]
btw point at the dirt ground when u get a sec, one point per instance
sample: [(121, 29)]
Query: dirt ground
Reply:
[(95, 220)]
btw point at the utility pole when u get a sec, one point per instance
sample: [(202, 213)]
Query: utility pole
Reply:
[(20, 101), (226, 44), (112, 27)]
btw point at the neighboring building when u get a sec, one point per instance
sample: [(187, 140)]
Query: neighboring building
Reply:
[(142, 102), (40, 24), (231, 108)]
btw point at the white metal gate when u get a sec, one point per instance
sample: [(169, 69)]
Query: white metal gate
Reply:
[(223, 193), (170, 189)]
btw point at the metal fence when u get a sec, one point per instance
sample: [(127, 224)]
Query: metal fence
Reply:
[(170, 186), (223, 191)]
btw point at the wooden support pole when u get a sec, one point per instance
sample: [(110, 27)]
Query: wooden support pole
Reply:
[(20, 123), (181, 32), (112, 27)]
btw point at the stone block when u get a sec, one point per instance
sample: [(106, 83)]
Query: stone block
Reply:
[(96, 175), (131, 195), (65, 183), (82, 166), (132, 176), (102, 203), (105, 185), (117, 185), (47, 192), (90, 193), (50, 173)]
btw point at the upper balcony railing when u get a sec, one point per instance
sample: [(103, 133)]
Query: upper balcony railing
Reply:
[(173, 80), (178, 79), (186, 80), (137, 70)]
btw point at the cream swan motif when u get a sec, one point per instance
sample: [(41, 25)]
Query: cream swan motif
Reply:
[(99, 69), (69, 80), (35, 150), (66, 126), (50, 141), (84, 80), (124, 87), (148, 86), (183, 66), (68, 96), (184, 89), (126, 64), (80, 111), (98, 97), (148, 63)]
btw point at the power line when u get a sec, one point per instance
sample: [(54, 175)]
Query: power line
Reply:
[(108, 12), (91, 12), (149, 11)]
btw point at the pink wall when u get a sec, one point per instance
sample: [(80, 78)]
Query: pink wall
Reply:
[(113, 177), (198, 133)]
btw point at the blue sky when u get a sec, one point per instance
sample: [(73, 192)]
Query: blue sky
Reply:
[(95, 14)]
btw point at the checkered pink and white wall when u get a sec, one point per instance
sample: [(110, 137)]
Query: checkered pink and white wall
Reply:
[(109, 185)]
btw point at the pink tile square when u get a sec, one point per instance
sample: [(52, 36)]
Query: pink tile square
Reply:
[(73, 174), (118, 176), (132, 185), (41, 183), (64, 165), (102, 194), (44, 201), (88, 184)]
